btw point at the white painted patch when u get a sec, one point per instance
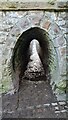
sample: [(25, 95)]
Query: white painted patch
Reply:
[(54, 104), (57, 111), (56, 108), (62, 103), (46, 105), (63, 111)]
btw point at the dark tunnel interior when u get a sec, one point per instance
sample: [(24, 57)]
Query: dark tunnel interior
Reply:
[(21, 52)]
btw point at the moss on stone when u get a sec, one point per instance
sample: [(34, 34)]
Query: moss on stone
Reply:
[(62, 86), (4, 87)]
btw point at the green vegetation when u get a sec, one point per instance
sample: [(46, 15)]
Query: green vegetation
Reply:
[(4, 86), (52, 2), (62, 85)]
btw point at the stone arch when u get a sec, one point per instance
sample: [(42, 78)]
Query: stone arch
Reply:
[(21, 53), (47, 21)]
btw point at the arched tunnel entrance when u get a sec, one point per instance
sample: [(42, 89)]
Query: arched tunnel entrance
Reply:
[(23, 50), (35, 70)]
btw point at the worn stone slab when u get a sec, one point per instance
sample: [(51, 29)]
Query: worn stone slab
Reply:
[(33, 5)]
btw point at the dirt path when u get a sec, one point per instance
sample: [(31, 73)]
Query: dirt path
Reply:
[(35, 100)]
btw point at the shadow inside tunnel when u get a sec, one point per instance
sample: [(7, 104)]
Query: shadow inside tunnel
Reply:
[(24, 52)]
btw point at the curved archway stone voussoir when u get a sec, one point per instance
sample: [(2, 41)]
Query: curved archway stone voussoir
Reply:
[(21, 52)]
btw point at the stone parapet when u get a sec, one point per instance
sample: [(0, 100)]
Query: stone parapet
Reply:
[(48, 5)]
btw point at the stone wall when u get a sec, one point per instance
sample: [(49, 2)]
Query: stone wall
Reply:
[(14, 23)]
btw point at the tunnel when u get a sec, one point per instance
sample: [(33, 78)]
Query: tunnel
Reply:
[(22, 52)]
